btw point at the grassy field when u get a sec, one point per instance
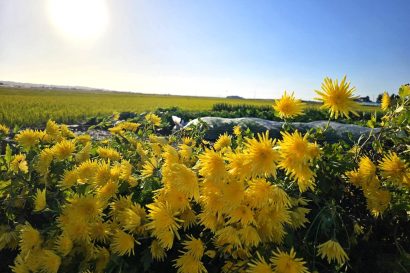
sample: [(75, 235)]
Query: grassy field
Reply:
[(34, 107)]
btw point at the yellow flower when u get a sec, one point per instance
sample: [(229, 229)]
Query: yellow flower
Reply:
[(332, 251), (377, 200), (53, 130), (394, 168), (237, 130), (222, 142), (44, 160), (123, 243), (40, 200), (149, 167), (108, 153), (227, 236), (182, 178), (297, 153), (4, 129), (385, 101), (103, 174), (249, 236), (86, 171), (284, 262), (298, 216), (338, 98), (30, 239), (189, 264), (86, 207), (259, 266), (288, 106), (239, 165), (157, 251), (103, 258), (100, 231), (83, 139), (242, 214), (64, 244), (262, 155), (130, 220), (28, 138), (19, 164), (63, 149), (153, 119), (69, 178), (212, 165), (163, 223), (49, 262), (194, 247), (84, 154)]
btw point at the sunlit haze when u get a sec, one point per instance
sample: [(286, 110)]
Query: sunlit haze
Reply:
[(254, 49)]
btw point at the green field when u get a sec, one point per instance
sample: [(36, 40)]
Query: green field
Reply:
[(32, 107)]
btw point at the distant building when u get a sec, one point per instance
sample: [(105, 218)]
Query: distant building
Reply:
[(234, 97), (363, 99)]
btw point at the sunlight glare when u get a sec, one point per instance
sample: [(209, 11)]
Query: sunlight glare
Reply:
[(79, 19)]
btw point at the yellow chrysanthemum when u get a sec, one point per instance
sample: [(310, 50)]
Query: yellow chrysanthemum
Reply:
[(338, 98), (69, 178), (103, 258), (237, 130), (40, 200), (49, 262), (332, 251), (163, 223), (19, 164), (288, 107), (29, 239), (28, 138), (259, 265), (44, 160), (297, 153), (182, 178), (157, 251), (63, 149), (238, 165), (53, 130), (149, 167), (212, 165), (86, 171), (262, 155), (123, 243), (249, 236), (100, 231), (4, 130), (83, 139), (64, 244), (385, 101), (222, 142), (84, 153), (394, 168), (189, 264), (194, 247), (153, 119), (378, 200), (108, 153), (242, 214), (284, 262)]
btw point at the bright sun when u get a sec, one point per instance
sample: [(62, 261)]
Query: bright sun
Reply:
[(79, 19)]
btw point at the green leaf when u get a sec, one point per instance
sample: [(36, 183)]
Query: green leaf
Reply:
[(8, 154)]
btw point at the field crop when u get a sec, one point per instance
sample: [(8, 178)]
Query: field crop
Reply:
[(32, 107)]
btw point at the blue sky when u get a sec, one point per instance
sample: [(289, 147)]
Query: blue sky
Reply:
[(209, 47)]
